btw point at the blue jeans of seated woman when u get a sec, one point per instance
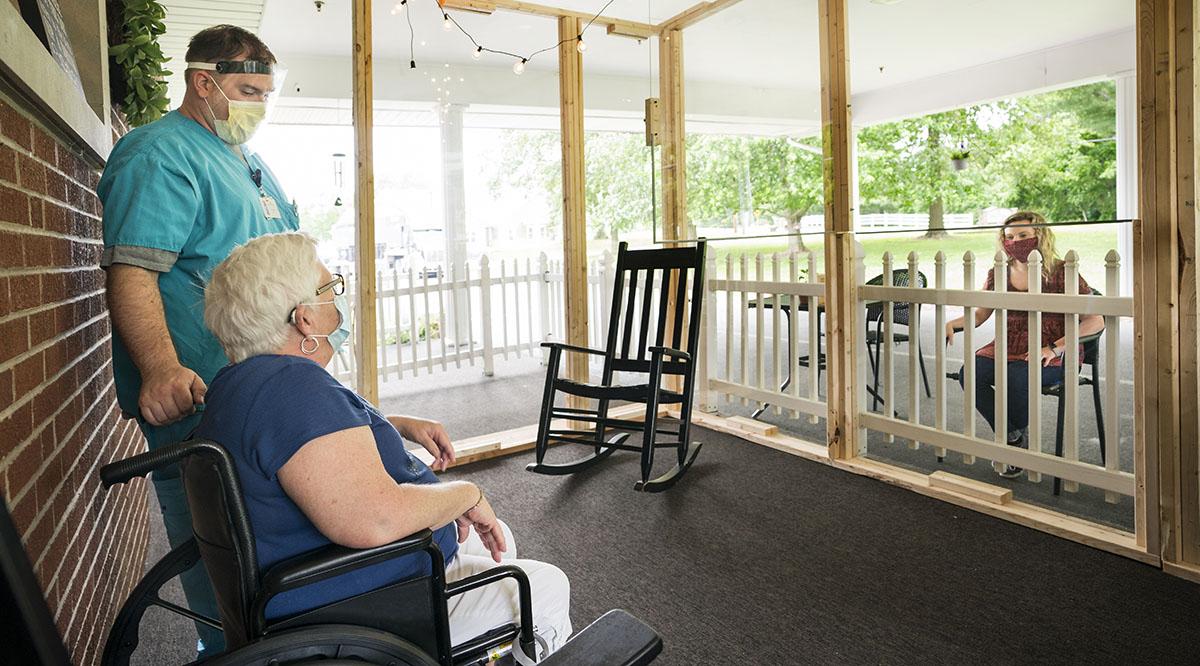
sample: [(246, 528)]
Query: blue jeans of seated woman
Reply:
[(1018, 390)]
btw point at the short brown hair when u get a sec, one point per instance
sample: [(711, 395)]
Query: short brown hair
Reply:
[(226, 42)]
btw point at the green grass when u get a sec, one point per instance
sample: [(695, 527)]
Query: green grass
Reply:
[(1091, 243)]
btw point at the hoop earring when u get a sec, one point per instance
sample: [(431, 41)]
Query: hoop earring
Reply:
[(306, 350)]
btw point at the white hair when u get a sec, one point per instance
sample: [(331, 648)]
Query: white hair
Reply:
[(252, 292)]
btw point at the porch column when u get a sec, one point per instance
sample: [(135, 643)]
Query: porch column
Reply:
[(1127, 174), (575, 287), (454, 202), (845, 438), (366, 353)]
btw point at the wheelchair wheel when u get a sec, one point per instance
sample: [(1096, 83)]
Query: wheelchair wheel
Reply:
[(327, 645)]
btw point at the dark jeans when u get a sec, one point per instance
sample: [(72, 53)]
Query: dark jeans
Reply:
[(1018, 390)]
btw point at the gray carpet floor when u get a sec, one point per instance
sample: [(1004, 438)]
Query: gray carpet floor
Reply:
[(744, 554)]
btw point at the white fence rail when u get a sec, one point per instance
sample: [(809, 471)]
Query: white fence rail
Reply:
[(764, 335), (435, 320), (757, 325)]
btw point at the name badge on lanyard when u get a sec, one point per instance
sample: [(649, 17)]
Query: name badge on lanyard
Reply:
[(270, 208)]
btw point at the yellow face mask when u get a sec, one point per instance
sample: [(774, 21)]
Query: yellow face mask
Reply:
[(244, 119)]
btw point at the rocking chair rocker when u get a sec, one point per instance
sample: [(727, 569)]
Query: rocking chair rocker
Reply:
[(627, 352)]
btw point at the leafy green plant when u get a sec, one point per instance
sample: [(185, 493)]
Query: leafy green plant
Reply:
[(141, 60)]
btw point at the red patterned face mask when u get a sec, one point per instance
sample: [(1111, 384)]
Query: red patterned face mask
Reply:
[(1020, 249)]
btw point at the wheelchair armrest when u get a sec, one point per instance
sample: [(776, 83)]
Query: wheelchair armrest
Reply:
[(673, 353), (524, 593), (323, 563), (122, 471), (574, 348), (615, 639)]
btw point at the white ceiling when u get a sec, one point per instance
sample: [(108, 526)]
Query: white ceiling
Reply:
[(768, 43)]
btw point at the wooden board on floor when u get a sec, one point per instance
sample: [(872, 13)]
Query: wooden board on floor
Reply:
[(751, 425), (516, 440), (984, 491)]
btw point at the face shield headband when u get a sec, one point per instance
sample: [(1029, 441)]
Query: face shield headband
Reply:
[(235, 67)]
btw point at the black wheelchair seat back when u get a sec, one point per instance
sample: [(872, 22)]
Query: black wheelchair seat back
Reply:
[(223, 533)]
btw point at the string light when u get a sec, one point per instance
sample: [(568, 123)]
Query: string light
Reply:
[(399, 7), (449, 23)]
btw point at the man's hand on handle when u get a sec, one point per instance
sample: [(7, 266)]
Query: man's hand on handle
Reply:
[(169, 394)]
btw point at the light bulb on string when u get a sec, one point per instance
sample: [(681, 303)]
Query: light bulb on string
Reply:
[(399, 8), (580, 45), (446, 24), (478, 53), (519, 67)]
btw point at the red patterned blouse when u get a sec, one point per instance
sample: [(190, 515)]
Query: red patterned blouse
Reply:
[(1053, 323)]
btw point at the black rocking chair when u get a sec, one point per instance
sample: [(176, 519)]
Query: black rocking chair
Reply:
[(639, 346)]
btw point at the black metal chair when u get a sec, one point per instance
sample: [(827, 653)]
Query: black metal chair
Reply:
[(638, 345), (900, 317), (404, 623), (1089, 357)]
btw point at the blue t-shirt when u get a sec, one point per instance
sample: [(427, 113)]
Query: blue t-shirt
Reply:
[(263, 410), (177, 200)]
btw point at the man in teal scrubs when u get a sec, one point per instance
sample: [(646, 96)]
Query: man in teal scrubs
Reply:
[(179, 194)]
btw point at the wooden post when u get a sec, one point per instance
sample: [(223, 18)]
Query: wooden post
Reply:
[(364, 204), (575, 287), (674, 158), (840, 290), (1168, 521)]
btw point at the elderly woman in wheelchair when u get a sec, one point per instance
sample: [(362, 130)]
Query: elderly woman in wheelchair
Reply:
[(318, 464), (324, 537)]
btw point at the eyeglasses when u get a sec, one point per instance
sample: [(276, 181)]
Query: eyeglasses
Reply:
[(337, 284)]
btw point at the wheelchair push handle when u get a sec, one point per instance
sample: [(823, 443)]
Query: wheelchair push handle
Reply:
[(142, 464)]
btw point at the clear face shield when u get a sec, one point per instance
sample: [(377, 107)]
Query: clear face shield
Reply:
[(277, 73)]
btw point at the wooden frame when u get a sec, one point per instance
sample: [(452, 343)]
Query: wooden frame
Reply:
[(364, 204), (1168, 421)]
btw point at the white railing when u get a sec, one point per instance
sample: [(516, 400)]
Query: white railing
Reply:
[(753, 334), (1035, 460), (435, 320), (754, 356)]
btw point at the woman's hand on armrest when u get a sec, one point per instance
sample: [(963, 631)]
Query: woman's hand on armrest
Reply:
[(339, 482), (431, 435)]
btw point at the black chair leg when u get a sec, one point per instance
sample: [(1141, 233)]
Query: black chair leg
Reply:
[(648, 435), (1099, 415), (924, 376), (547, 406), (1058, 442)]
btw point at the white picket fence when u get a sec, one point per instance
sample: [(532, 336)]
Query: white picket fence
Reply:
[(762, 351), (436, 320)]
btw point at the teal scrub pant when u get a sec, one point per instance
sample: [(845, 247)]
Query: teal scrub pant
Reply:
[(168, 486)]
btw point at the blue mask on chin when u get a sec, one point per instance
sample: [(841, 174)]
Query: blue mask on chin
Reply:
[(339, 336)]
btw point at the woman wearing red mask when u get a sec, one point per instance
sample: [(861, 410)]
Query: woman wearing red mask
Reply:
[(1023, 232)]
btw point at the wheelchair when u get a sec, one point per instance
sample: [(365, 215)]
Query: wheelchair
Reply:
[(401, 624)]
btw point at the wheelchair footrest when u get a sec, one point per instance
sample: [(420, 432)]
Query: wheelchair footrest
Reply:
[(615, 639)]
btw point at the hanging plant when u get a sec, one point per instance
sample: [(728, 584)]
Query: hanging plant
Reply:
[(958, 157), (139, 62)]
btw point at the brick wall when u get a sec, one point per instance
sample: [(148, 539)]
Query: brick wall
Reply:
[(59, 421)]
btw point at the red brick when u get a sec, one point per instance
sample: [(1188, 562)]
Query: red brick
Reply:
[(56, 185), (22, 470), (8, 164), (14, 206), (39, 250), (5, 301), (38, 538), (16, 127), (15, 334), (44, 147), (12, 249), (6, 387), (36, 218), (25, 291), (41, 326), (31, 173), (28, 375), (57, 218)]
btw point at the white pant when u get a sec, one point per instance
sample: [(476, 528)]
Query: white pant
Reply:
[(483, 609)]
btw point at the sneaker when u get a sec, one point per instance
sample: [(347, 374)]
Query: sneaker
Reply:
[(1011, 472)]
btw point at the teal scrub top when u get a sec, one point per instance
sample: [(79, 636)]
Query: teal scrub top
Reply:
[(177, 200)]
